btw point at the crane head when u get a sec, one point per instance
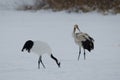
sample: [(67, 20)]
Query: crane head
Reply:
[(76, 27)]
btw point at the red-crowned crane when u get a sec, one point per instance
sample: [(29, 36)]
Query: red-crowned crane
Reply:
[(39, 48), (82, 40)]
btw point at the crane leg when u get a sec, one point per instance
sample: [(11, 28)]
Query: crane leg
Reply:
[(56, 60), (39, 63), (79, 52), (40, 60), (84, 55)]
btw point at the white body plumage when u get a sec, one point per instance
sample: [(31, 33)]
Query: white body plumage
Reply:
[(78, 38), (41, 48)]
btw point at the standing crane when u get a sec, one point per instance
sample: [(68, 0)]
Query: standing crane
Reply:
[(82, 40), (39, 48)]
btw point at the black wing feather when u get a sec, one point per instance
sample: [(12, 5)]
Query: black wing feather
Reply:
[(88, 44)]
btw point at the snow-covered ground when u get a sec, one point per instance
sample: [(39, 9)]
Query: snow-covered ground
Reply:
[(103, 63)]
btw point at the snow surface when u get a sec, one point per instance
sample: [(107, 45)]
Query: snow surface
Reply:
[(103, 63)]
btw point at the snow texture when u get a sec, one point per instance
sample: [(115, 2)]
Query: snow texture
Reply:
[(16, 27)]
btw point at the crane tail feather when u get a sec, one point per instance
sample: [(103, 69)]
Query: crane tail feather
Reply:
[(88, 44)]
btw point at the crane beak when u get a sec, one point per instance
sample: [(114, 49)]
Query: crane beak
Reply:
[(78, 28)]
